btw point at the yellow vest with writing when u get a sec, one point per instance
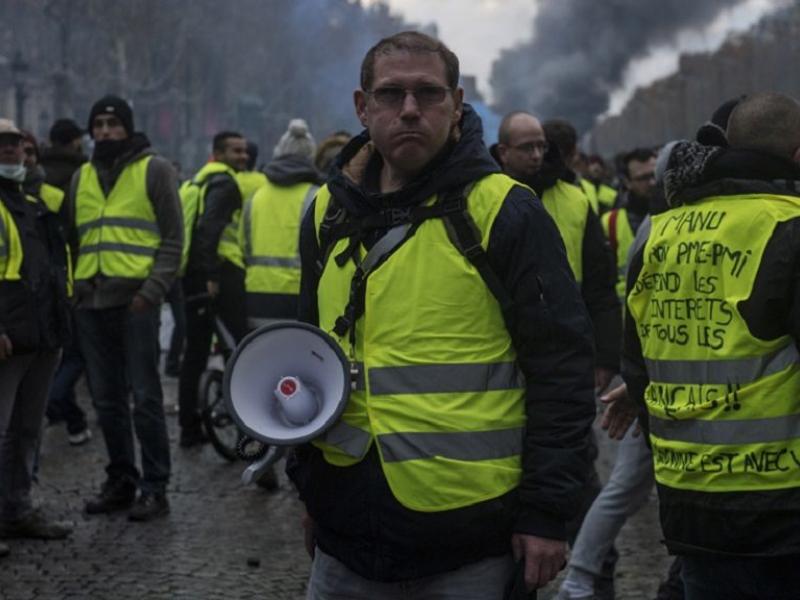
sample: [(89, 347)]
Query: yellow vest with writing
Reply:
[(724, 405), (118, 234), (270, 235), (442, 400), (569, 208)]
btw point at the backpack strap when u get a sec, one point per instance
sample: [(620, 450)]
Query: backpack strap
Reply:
[(465, 236), (461, 230)]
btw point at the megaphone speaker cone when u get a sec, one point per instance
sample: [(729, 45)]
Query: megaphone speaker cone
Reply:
[(286, 383)]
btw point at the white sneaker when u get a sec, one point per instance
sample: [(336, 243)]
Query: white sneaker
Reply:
[(80, 438)]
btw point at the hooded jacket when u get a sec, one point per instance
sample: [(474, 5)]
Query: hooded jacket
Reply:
[(357, 519), (162, 193), (599, 273), (756, 523)]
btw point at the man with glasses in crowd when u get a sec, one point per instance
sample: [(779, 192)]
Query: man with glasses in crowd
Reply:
[(467, 445), (638, 200)]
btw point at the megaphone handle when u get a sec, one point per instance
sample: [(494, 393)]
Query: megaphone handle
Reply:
[(255, 470)]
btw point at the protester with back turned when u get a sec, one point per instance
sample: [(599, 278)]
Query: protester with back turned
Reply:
[(721, 380), (270, 228), (127, 235), (447, 462), (214, 280), (34, 325)]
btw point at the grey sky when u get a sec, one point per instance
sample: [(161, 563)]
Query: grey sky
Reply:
[(477, 30)]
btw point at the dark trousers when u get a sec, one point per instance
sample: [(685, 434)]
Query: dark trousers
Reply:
[(229, 306), (24, 384), (177, 306), (120, 349), (62, 405), (741, 578)]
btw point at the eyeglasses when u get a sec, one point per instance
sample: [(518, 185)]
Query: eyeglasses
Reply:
[(644, 177), (531, 147), (393, 97)]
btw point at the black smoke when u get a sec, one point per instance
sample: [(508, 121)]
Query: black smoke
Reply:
[(580, 48)]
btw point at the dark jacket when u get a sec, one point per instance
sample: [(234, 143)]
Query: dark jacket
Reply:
[(106, 292), (357, 519), (59, 164), (599, 272), (34, 311), (222, 199), (736, 523)]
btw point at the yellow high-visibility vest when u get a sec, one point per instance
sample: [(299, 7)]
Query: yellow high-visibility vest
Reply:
[(569, 208), (443, 399), (270, 235), (118, 233), (724, 405)]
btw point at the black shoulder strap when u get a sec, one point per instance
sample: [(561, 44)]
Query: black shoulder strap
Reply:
[(465, 236)]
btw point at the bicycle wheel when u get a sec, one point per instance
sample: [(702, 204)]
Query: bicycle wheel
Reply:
[(222, 431)]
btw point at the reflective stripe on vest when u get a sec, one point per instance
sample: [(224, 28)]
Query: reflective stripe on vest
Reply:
[(118, 234), (270, 237), (620, 236), (443, 401), (724, 405), (569, 208)]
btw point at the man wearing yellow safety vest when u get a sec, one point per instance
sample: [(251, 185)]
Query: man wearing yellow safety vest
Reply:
[(126, 237), (270, 227), (602, 196), (527, 155), (215, 269), (641, 193), (447, 285), (711, 351), (34, 325)]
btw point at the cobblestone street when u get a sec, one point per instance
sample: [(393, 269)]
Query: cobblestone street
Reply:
[(221, 540)]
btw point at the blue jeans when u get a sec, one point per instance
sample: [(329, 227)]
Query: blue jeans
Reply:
[(741, 578), (120, 349), (62, 405)]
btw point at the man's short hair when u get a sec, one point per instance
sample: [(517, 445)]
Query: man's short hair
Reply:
[(504, 131), (561, 133), (637, 154), (767, 122), (218, 145), (412, 42)]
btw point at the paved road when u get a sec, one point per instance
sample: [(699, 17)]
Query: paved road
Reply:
[(216, 527)]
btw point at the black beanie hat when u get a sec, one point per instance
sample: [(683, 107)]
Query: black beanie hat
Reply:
[(113, 105), (713, 132)]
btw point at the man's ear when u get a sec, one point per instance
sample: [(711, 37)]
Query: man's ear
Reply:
[(502, 153), (796, 157), (360, 102), (458, 99)]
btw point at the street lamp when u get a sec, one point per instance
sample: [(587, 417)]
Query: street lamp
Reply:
[(18, 70)]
